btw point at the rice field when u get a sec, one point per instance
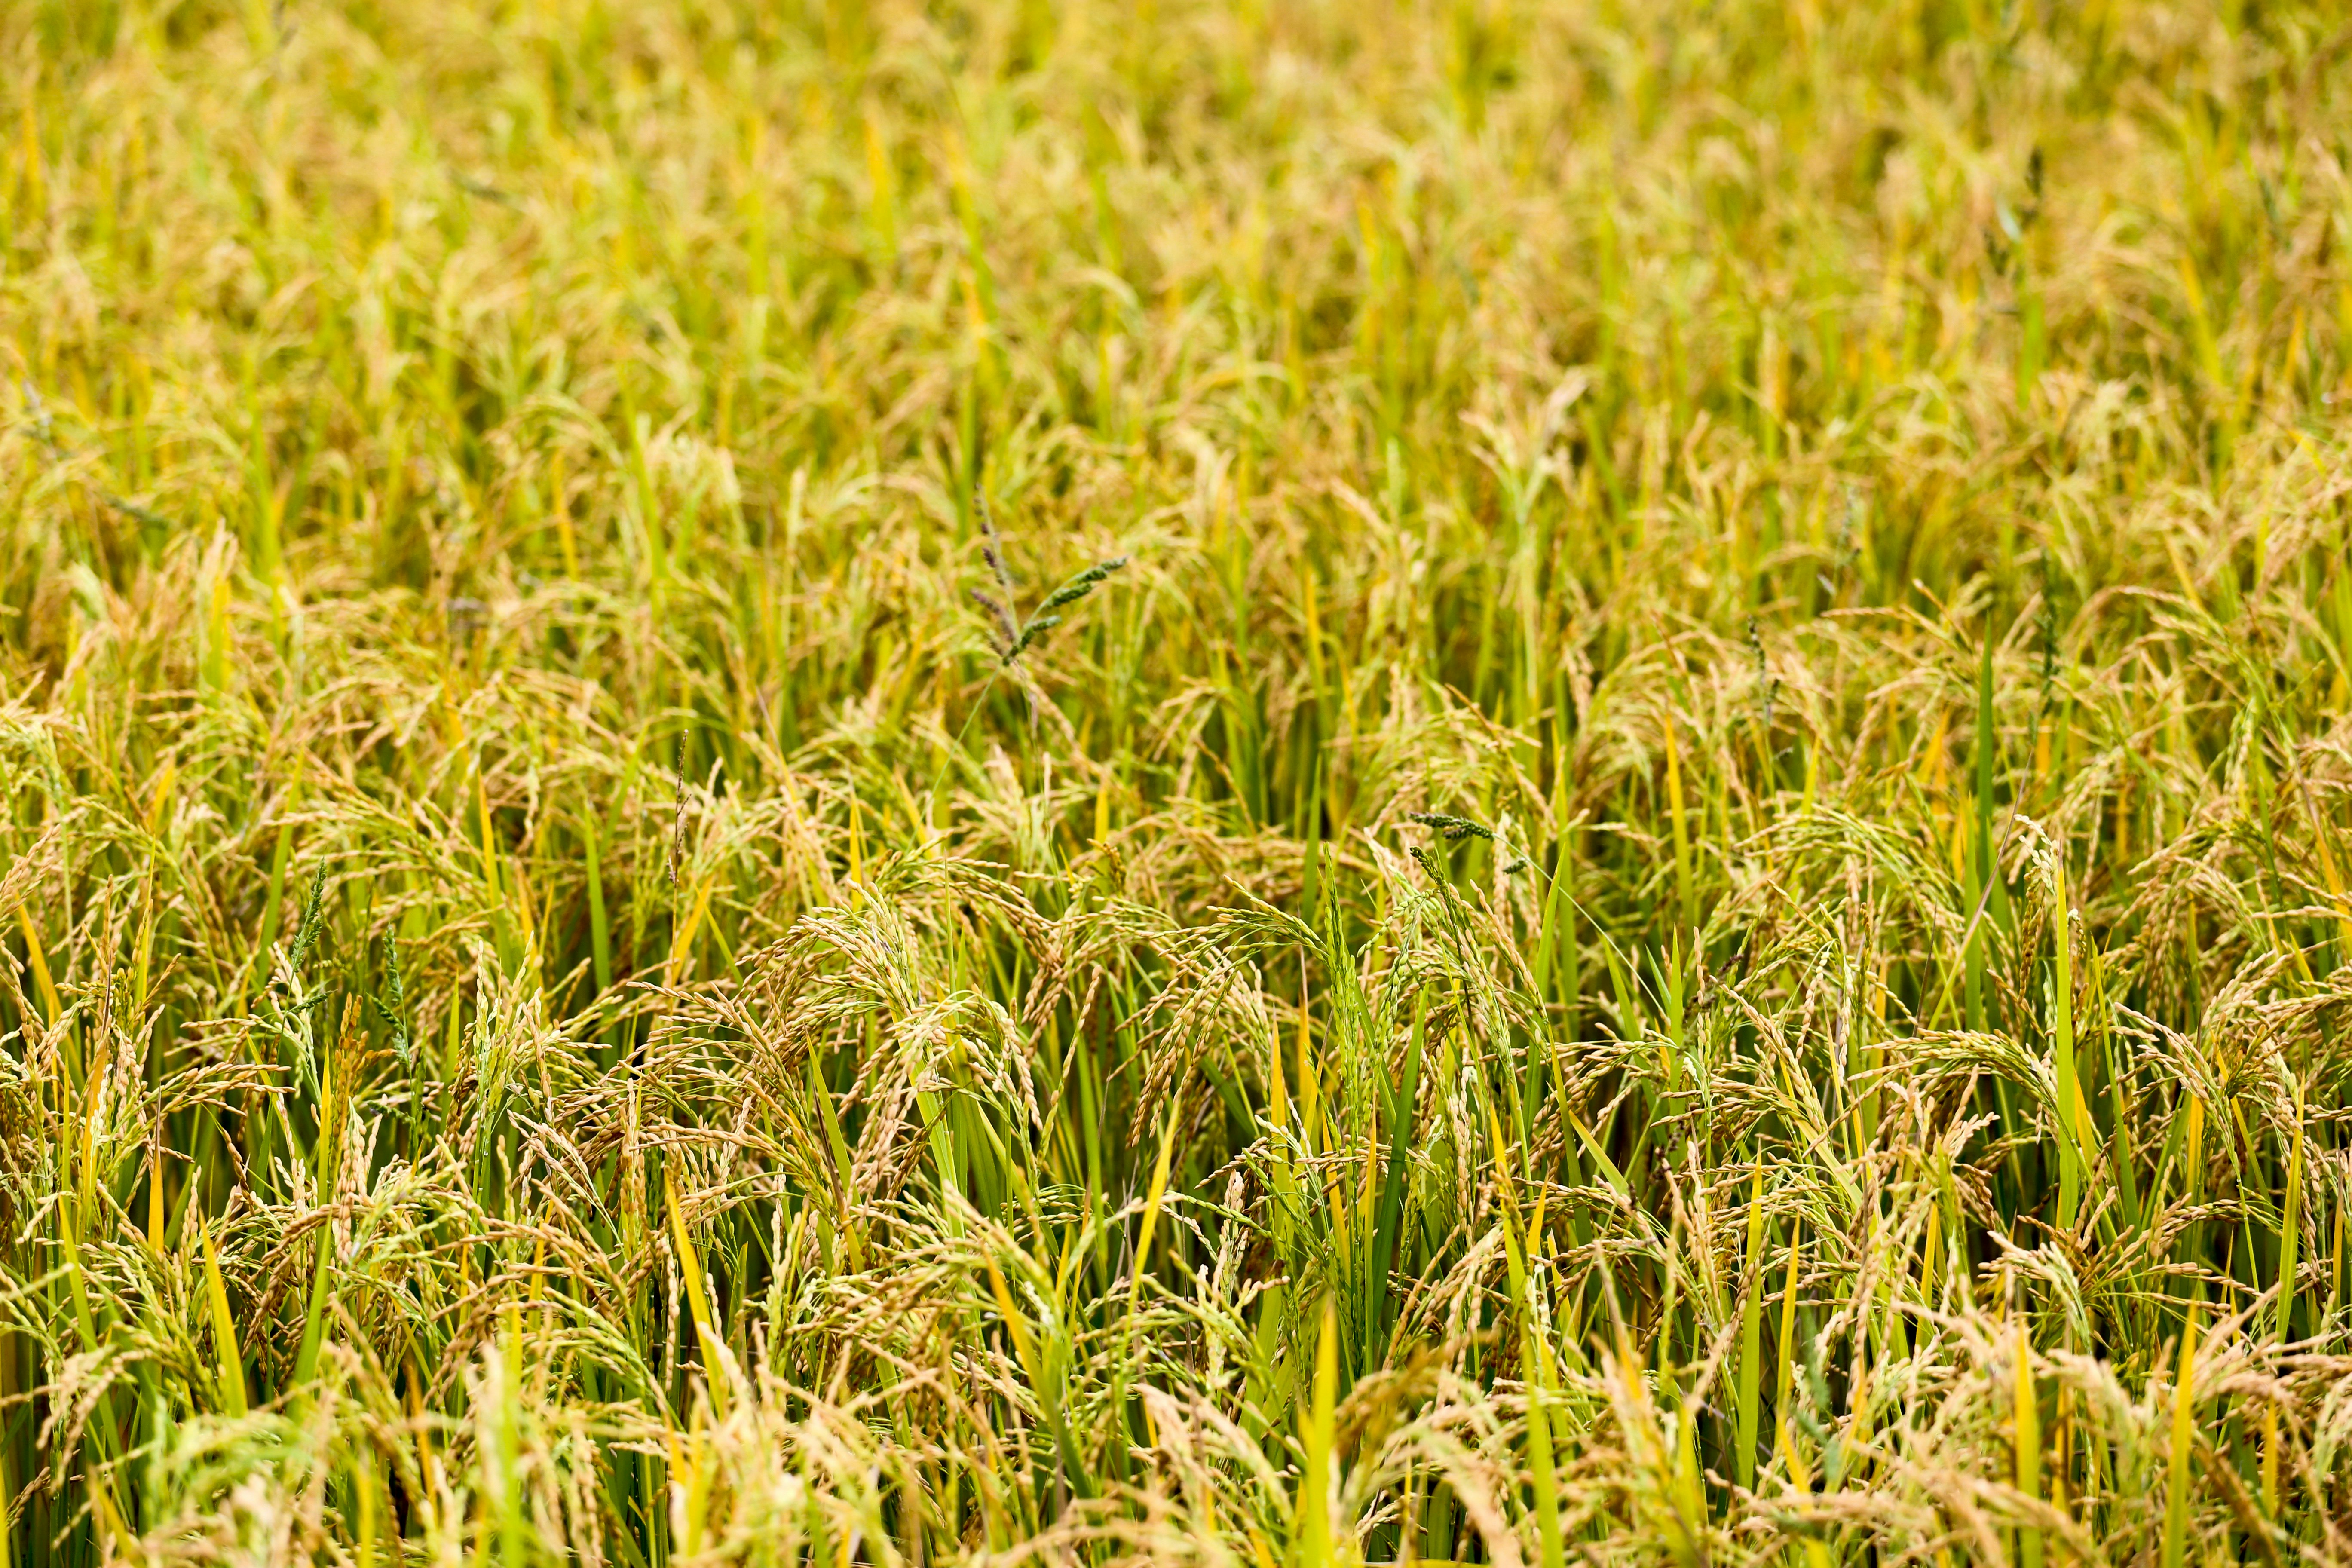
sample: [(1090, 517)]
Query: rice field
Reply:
[(1271, 783)]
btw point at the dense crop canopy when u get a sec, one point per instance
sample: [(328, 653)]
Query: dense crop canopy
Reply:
[(1269, 784)]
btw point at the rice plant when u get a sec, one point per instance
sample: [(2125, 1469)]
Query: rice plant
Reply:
[(1266, 784)]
